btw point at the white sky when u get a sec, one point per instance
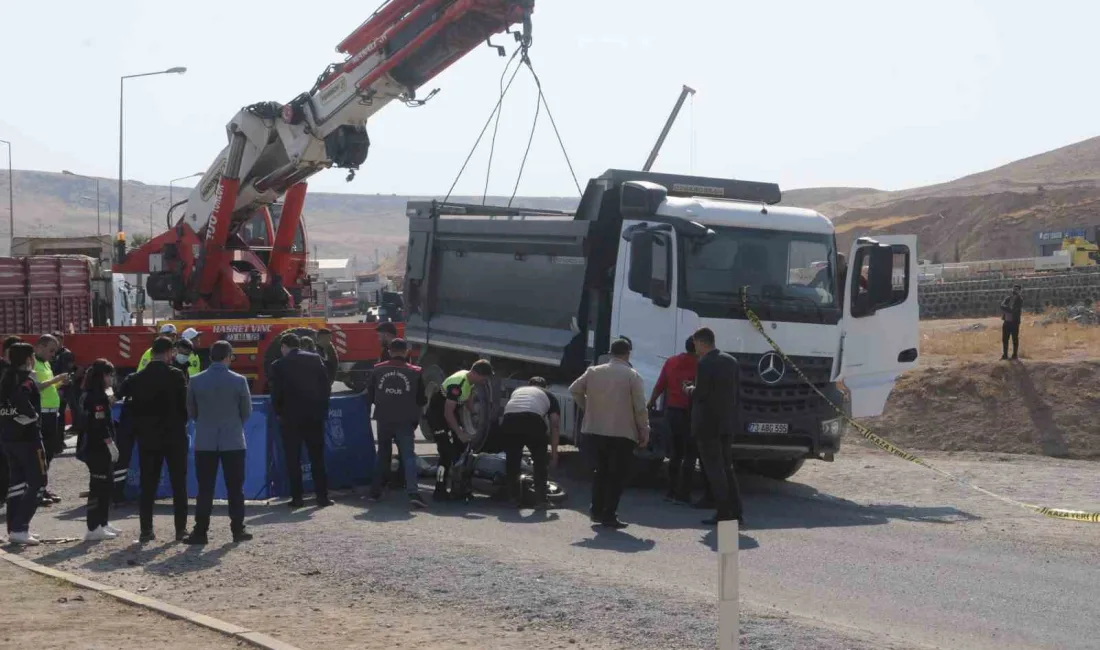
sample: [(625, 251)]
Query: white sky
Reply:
[(805, 93)]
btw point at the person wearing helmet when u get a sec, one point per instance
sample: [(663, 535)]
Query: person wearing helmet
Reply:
[(194, 363), (167, 330)]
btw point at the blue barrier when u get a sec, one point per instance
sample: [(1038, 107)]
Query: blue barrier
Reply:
[(349, 453)]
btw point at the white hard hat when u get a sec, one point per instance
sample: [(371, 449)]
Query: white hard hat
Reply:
[(168, 328), (190, 334)]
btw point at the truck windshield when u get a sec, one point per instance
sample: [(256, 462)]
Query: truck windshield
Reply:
[(789, 274)]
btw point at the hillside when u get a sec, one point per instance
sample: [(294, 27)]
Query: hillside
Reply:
[(990, 214), (340, 225)]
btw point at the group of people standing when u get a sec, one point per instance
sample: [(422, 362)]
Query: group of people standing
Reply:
[(700, 387)]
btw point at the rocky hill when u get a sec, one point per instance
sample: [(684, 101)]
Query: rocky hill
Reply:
[(340, 225), (991, 214), (988, 215)]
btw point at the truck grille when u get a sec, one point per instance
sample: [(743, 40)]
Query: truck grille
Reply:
[(787, 396)]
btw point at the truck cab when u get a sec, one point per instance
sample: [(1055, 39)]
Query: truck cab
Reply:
[(654, 257)]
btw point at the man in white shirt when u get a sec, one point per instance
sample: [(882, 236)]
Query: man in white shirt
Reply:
[(526, 416)]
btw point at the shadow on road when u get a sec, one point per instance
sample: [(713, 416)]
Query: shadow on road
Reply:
[(606, 539), (744, 542)]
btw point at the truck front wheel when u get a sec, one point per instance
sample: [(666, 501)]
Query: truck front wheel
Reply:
[(779, 470), (433, 378)]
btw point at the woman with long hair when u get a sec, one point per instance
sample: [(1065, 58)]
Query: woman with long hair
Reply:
[(21, 437), (98, 450)]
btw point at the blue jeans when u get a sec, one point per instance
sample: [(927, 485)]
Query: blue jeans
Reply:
[(402, 433)]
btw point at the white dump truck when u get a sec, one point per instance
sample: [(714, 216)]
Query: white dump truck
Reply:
[(653, 257)]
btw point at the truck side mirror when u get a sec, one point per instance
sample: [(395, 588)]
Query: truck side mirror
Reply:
[(871, 279), (660, 282), (641, 263), (640, 199), (881, 276)]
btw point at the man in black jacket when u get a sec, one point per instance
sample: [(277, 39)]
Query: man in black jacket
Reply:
[(158, 413), (396, 390), (715, 400), (300, 392), (1011, 308)]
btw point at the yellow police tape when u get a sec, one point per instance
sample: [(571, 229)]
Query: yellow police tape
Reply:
[(891, 448)]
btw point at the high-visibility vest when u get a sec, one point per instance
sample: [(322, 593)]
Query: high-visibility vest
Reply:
[(194, 366), (51, 399)]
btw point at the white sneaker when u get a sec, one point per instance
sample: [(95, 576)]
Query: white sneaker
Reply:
[(99, 535), (26, 539), (112, 529)]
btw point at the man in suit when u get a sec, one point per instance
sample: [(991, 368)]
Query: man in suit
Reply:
[(715, 400), (299, 395), (158, 413), (219, 402), (616, 423)]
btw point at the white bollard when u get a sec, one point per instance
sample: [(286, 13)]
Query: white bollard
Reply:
[(728, 607)]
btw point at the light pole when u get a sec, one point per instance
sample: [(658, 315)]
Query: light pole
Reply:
[(110, 215), (11, 202), (120, 242), (172, 182), (98, 229)]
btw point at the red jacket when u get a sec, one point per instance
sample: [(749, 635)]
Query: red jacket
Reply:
[(674, 373)]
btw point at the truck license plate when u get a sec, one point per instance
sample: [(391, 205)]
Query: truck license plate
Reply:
[(768, 427)]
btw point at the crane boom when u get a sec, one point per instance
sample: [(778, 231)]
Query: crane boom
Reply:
[(687, 90), (202, 264)]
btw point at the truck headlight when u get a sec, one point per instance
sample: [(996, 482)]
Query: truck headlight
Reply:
[(832, 428)]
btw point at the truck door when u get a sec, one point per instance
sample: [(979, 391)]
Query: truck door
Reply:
[(645, 297), (881, 320)]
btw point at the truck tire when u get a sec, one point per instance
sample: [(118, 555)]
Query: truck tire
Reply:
[(779, 470), (433, 378), (357, 378)]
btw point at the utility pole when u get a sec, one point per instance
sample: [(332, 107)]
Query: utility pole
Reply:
[(11, 202)]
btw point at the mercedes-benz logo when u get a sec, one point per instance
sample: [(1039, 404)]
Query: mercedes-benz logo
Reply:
[(771, 368)]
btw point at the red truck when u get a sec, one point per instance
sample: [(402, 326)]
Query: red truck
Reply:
[(61, 293)]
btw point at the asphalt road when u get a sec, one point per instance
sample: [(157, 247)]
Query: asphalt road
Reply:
[(868, 548)]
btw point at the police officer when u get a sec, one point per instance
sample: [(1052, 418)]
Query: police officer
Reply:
[(387, 332), (158, 413), (396, 390), (328, 353), (167, 331), (50, 402), (450, 436), (64, 363), (194, 361), (21, 438), (182, 356), (4, 366), (98, 450)]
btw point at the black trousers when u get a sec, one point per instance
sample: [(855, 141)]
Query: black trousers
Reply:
[(27, 475), (124, 439), (53, 442), (175, 454), (526, 430), (614, 456), (313, 437), (4, 477), (100, 482), (1010, 331), (717, 456), (449, 447), (206, 470)]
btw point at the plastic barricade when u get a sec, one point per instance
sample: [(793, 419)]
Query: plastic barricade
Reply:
[(349, 453)]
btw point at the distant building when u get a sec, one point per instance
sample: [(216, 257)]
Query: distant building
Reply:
[(1047, 242), (335, 270)]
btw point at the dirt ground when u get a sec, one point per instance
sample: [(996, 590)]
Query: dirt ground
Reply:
[(53, 615), (963, 398)]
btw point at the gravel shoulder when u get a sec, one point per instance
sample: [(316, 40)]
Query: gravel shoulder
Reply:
[(46, 614), (868, 552)]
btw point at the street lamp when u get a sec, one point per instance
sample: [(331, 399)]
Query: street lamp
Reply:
[(98, 229), (110, 215), (120, 244), (11, 202), (172, 182)]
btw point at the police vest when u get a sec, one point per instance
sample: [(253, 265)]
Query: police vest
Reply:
[(194, 366), (394, 392), (51, 399), (457, 387)]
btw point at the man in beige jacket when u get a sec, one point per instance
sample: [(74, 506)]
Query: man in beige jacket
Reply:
[(615, 417)]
